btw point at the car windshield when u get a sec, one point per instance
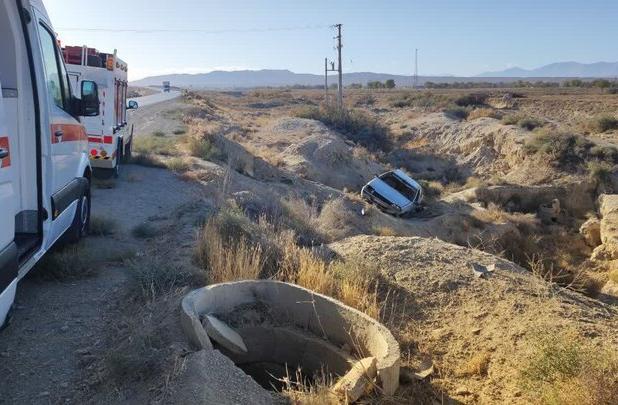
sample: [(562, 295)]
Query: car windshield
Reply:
[(400, 186)]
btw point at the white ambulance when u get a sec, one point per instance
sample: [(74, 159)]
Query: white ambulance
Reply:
[(109, 134), (44, 166)]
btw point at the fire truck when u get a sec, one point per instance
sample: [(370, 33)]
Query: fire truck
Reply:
[(44, 166), (109, 135)]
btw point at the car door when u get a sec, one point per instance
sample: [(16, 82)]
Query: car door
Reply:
[(68, 137), (8, 203)]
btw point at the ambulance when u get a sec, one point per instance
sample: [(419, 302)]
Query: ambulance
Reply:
[(44, 159), (109, 135)]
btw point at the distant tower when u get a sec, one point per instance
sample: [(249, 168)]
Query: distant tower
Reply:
[(415, 69)]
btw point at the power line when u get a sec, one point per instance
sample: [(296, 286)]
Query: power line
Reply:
[(193, 31)]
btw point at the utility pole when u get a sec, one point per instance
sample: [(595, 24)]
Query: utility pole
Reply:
[(326, 78), (340, 67), (416, 68), (326, 70)]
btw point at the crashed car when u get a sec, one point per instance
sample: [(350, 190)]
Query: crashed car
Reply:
[(395, 193)]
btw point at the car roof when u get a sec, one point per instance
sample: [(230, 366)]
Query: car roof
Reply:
[(388, 192)]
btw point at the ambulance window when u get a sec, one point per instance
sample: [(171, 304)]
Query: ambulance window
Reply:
[(52, 71)]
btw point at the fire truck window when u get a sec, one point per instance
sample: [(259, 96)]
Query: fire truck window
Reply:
[(52, 70)]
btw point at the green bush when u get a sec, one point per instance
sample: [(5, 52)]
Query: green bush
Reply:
[(353, 124)]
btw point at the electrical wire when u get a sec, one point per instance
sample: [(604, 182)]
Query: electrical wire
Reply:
[(193, 31)]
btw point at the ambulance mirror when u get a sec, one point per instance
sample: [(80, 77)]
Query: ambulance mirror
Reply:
[(90, 99), (132, 105)]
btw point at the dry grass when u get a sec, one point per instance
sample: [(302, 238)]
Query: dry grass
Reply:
[(228, 261), (385, 231), (158, 145), (178, 165), (483, 113), (563, 369), (299, 390), (613, 276), (496, 215), (476, 365), (70, 263)]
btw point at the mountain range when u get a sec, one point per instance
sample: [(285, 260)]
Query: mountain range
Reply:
[(281, 78), (562, 69)]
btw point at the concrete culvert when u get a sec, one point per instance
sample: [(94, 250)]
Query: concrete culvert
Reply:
[(285, 328)]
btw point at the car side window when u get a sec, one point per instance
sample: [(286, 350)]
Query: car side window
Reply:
[(56, 78)]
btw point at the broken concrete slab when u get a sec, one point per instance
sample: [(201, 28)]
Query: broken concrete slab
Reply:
[(223, 334), (357, 381)]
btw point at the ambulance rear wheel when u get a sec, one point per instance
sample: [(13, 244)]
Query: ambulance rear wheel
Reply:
[(81, 221)]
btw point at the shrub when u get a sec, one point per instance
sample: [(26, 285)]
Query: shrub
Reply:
[(529, 123), (179, 131), (478, 364), (612, 90), (560, 147), (101, 226), (600, 171), (147, 160), (483, 113), (155, 145), (154, 276), (562, 370), (472, 100), (158, 134), (457, 112), (422, 100), (145, 230), (69, 263), (204, 148), (353, 124), (603, 123), (178, 165)]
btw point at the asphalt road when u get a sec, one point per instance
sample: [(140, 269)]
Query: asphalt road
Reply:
[(156, 98)]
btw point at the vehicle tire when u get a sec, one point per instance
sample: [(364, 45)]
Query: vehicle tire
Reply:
[(81, 222), (128, 150)]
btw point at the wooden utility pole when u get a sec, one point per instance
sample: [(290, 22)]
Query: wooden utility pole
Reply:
[(340, 67)]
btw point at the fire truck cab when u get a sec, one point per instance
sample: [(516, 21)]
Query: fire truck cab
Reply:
[(44, 166), (109, 135)]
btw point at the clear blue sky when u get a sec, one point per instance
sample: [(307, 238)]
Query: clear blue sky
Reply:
[(460, 37)]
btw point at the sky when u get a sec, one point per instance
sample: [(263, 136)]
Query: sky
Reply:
[(456, 37)]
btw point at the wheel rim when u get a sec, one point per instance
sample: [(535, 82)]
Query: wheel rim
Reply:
[(84, 214)]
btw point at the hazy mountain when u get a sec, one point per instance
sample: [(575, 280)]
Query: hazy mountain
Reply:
[(561, 69), (279, 78), (246, 79), (263, 78)]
